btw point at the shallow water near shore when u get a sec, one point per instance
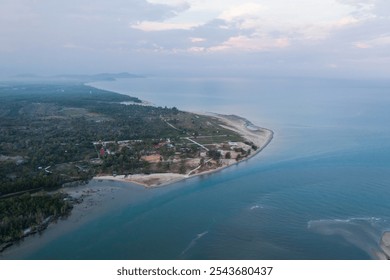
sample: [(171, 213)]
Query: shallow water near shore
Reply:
[(320, 190)]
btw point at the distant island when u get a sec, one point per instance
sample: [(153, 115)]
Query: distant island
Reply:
[(77, 78), (56, 135)]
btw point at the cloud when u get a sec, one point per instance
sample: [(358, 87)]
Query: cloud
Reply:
[(324, 30), (196, 50), (46, 24), (268, 21), (369, 8), (149, 26), (382, 41), (253, 27), (140, 33), (83, 11), (362, 45), (251, 44), (131, 12), (242, 11), (164, 24), (305, 20), (358, 3), (197, 40)]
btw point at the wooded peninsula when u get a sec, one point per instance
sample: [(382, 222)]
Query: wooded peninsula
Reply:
[(55, 134)]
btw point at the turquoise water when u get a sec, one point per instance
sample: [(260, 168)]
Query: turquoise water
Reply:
[(320, 190)]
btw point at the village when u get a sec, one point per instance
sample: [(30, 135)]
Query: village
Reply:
[(219, 141)]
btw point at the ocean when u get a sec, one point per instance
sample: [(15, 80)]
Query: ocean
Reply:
[(320, 190)]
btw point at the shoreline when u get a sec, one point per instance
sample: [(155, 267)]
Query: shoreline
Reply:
[(260, 136), (92, 200), (235, 123)]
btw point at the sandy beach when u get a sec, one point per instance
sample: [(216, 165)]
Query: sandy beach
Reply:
[(261, 137), (150, 180)]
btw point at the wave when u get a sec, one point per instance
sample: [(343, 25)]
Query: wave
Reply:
[(193, 242), (364, 233), (256, 206)]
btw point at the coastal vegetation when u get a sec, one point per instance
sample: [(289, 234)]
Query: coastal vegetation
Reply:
[(27, 214), (52, 134)]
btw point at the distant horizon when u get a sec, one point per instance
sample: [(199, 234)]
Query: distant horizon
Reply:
[(80, 75)]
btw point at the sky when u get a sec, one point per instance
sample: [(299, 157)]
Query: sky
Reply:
[(324, 38)]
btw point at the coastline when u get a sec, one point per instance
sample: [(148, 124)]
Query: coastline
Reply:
[(91, 201), (260, 136)]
